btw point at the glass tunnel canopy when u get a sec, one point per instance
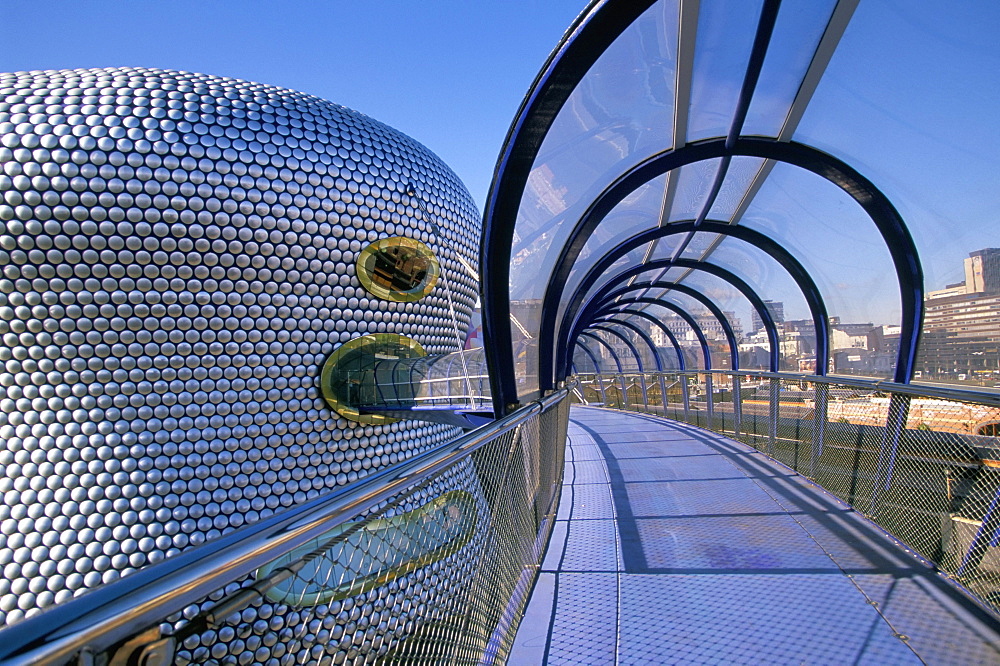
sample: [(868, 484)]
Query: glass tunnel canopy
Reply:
[(821, 172)]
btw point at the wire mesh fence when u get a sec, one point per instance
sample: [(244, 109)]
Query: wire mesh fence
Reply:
[(438, 572), (925, 466)]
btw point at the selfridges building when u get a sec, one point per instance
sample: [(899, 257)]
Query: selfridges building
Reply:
[(180, 259)]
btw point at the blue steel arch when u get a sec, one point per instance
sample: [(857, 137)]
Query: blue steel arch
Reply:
[(712, 269), (680, 288), (583, 324), (727, 329), (584, 42), (628, 343), (657, 361), (592, 33), (681, 363), (876, 205), (811, 293), (593, 359), (608, 317), (611, 350)]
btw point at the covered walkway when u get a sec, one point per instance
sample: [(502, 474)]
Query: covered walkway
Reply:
[(677, 545)]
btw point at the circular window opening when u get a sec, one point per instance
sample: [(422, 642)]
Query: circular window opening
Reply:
[(398, 269), (366, 371)]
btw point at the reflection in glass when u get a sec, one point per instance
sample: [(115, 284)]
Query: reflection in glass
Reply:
[(350, 559), (347, 380), (398, 269)]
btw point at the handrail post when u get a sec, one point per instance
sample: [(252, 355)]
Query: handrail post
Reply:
[(685, 396), (737, 406), (895, 423), (642, 387), (600, 386), (709, 401), (663, 393), (774, 385), (621, 382), (820, 407)]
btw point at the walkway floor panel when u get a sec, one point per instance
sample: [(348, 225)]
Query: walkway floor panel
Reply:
[(677, 545)]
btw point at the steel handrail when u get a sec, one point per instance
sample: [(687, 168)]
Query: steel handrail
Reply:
[(114, 612), (914, 390)]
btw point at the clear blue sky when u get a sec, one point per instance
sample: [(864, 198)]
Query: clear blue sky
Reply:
[(450, 73)]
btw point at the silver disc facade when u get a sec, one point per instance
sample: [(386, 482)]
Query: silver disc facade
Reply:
[(177, 255)]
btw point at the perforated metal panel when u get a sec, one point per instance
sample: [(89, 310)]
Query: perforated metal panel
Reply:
[(177, 255)]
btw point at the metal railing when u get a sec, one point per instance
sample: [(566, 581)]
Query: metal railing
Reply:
[(429, 560), (458, 378), (921, 461)]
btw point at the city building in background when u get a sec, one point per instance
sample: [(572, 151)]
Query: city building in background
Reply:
[(961, 340), (775, 308)]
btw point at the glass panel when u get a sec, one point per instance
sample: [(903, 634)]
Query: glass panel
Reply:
[(610, 358), (923, 127), (641, 345), (753, 348), (582, 362), (660, 275), (622, 349), (620, 113), (699, 245), (788, 306), (839, 246), (665, 353), (606, 126), (694, 182), (631, 259), (797, 33), (584, 345), (710, 326), (637, 212), (683, 333), (725, 38), (739, 177)]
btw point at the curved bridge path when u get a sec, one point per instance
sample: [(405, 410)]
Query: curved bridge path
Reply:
[(677, 545)]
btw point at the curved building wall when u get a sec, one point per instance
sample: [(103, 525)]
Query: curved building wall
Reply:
[(177, 254)]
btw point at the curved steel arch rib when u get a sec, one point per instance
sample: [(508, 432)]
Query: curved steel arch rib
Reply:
[(628, 343), (588, 38), (611, 350), (886, 218), (811, 293), (727, 328), (585, 41), (590, 354), (593, 303), (683, 289), (681, 312), (644, 337), (681, 363)]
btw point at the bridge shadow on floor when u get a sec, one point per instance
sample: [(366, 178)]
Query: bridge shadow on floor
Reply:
[(677, 545)]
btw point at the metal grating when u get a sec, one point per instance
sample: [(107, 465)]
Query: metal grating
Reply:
[(924, 468), (437, 573)]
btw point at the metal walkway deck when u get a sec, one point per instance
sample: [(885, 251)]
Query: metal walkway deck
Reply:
[(677, 545)]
